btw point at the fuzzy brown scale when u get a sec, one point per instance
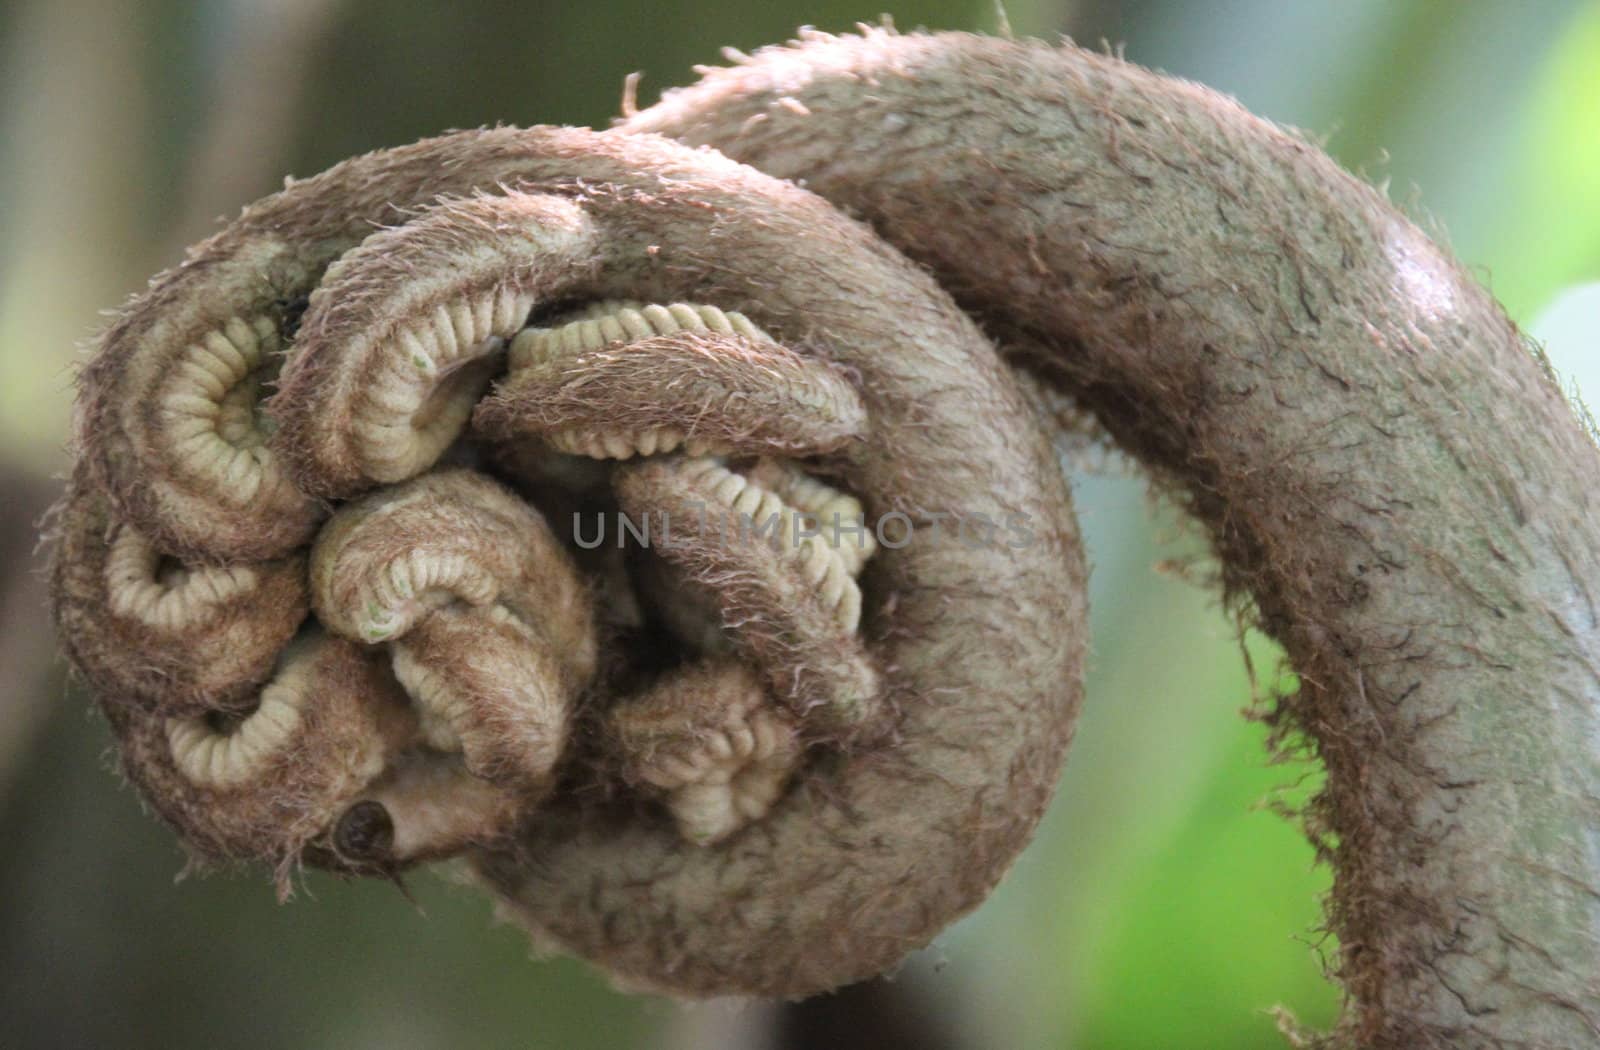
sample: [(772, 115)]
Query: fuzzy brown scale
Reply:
[(861, 857)]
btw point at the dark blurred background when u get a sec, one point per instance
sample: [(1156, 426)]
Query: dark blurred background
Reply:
[(1165, 903)]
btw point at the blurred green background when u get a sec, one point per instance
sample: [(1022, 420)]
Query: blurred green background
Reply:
[(1165, 903)]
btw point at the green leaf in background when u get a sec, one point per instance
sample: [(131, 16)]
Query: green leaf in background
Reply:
[(1163, 904), (1549, 229)]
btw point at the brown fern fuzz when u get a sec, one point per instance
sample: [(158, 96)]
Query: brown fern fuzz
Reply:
[(682, 374), (1274, 341), (1388, 474), (170, 422), (870, 371), (491, 687), (789, 603), (178, 639), (710, 739), (265, 786), (795, 516), (405, 331), (948, 433), (491, 628), (835, 517)]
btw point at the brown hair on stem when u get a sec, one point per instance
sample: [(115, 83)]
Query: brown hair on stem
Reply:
[(1394, 485), (850, 358)]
